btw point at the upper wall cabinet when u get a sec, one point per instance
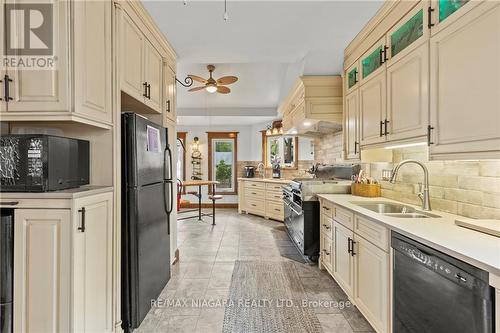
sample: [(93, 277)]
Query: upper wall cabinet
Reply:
[(77, 88), (372, 61), (147, 64), (429, 74), (352, 78), (351, 126), (444, 12), (313, 106), (169, 93), (141, 65), (465, 85)]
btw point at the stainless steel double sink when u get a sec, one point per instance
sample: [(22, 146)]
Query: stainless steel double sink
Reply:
[(394, 209)]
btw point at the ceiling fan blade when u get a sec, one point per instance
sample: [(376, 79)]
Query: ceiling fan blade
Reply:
[(197, 88), (197, 78), (223, 90), (227, 80)]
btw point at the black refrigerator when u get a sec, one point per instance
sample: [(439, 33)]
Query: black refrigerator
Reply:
[(146, 206)]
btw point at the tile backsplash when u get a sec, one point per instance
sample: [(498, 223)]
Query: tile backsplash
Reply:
[(285, 173), (467, 188)]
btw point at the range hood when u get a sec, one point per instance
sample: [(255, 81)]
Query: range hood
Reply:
[(316, 129)]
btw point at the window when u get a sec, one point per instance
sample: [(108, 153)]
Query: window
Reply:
[(181, 155), (280, 149), (222, 158)]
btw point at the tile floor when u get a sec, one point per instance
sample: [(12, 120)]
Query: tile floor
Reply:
[(207, 256)]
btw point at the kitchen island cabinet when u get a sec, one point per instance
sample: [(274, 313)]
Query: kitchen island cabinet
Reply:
[(262, 196)]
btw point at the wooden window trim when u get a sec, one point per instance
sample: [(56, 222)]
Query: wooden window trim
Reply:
[(183, 136), (223, 135), (295, 152)]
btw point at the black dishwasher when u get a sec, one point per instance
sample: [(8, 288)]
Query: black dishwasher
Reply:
[(436, 293)]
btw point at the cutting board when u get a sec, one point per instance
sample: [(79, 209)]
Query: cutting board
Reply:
[(491, 227)]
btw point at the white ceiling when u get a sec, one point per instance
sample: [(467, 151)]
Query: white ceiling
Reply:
[(267, 44)]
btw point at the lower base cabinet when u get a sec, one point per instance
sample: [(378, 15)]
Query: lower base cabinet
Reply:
[(343, 271), (63, 266), (357, 257), (371, 286)]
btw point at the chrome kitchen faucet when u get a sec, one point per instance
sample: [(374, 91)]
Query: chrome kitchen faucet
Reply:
[(422, 194)]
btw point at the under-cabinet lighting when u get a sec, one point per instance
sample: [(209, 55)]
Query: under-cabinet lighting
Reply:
[(404, 145), (307, 123)]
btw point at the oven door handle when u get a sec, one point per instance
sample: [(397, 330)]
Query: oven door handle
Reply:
[(296, 212)]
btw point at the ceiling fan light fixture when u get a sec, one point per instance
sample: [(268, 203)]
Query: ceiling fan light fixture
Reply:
[(211, 89)]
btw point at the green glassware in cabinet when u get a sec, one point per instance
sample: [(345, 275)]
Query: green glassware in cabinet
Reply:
[(448, 7), (409, 32), (352, 77), (372, 62)]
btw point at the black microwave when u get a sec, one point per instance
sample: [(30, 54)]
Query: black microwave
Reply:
[(41, 163)]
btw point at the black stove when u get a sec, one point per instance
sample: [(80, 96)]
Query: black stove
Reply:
[(301, 205)]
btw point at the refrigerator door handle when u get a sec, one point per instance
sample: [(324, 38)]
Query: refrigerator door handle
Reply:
[(167, 171)]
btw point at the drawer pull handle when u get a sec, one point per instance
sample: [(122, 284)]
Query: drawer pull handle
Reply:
[(326, 252), (9, 203), (326, 208), (277, 209), (326, 226)]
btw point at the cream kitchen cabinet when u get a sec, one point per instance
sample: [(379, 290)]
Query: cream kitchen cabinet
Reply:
[(352, 78), (263, 197), (408, 95), (326, 243), (444, 13), (141, 64), (354, 250), (63, 261), (343, 270), (153, 76), (92, 263), (78, 88), (372, 109), (170, 93), (132, 53), (351, 126), (42, 270), (371, 283), (464, 102)]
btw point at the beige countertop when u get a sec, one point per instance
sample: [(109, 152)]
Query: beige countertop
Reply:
[(478, 249), (72, 193), (267, 180)]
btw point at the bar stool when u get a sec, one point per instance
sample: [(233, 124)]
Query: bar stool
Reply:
[(214, 197)]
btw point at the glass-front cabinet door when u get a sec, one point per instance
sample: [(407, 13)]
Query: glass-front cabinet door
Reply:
[(448, 7), (372, 61), (408, 33), (445, 12), (352, 77)]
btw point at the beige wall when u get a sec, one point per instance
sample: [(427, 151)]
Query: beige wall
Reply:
[(468, 188)]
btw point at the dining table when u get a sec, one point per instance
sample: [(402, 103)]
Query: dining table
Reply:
[(199, 184)]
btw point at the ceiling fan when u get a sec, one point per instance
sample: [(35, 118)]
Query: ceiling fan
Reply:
[(211, 85)]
